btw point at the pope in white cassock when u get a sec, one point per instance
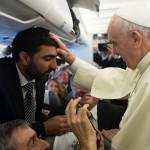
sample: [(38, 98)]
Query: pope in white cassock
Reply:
[(129, 32)]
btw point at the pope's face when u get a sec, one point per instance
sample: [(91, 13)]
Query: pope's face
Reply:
[(122, 42)]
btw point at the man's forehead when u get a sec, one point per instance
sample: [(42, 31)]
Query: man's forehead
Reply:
[(47, 51), (21, 131)]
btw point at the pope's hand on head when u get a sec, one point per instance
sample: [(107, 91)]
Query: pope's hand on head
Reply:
[(63, 51)]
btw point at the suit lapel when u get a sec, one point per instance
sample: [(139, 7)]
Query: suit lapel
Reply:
[(15, 91)]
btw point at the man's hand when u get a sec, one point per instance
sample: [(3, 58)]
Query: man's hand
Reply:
[(62, 51), (80, 125), (109, 134), (100, 140), (57, 125)]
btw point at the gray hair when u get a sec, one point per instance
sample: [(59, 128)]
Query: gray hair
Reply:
[(6, 130), (125, 26)]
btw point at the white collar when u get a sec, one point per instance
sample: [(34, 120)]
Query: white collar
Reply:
[(23, 80), (143, 64), (94, 112)]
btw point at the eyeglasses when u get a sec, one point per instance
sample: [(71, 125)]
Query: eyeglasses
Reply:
[(35, 143)]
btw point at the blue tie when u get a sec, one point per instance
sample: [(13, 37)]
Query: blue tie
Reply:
[(29, 103)]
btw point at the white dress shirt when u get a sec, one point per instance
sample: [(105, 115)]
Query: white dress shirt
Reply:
[(24, 81)]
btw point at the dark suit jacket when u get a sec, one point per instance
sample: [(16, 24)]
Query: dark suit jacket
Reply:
[(11, 97), (97, 58), (109, 115)]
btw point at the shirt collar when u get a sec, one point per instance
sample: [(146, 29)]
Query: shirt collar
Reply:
[(94, 112), (23, 80), (143, 64)]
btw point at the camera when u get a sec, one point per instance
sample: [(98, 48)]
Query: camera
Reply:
[(102, 47)]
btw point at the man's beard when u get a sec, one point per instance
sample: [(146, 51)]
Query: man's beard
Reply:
[(36, 74)]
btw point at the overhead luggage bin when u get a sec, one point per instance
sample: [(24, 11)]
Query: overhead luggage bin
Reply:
[(55, 15)]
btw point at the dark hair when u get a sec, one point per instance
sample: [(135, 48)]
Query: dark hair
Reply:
[(29, 40), (6, 130)]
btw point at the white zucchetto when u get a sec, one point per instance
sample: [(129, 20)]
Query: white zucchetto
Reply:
[(138, 13)]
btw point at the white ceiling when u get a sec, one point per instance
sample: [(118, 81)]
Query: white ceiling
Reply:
[(97, 23)]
